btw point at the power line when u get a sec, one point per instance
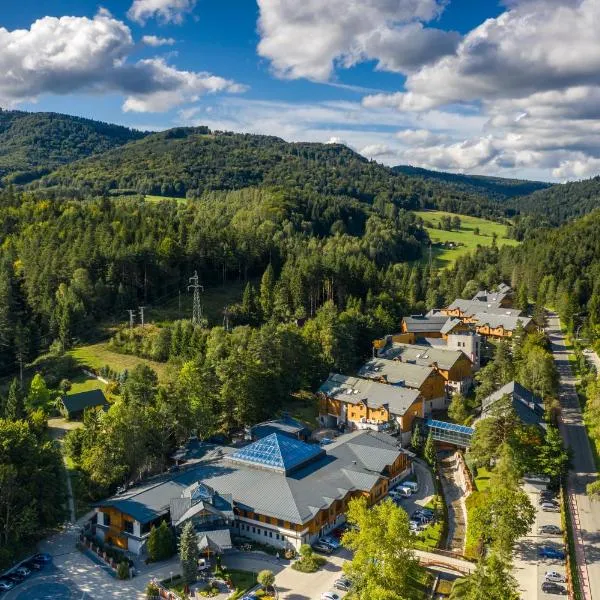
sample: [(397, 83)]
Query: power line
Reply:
[(131, 312), (197, 306)]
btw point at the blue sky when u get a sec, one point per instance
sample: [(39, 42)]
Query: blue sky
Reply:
[(481, 86)]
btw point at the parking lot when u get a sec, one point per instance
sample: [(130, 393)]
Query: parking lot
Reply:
[(529, 567), (48, 584)]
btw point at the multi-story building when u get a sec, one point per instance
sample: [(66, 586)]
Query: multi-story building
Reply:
[(426, 379), (278, 490), (359, 403)]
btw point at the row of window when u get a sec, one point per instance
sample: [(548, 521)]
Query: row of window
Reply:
[(258, 531)]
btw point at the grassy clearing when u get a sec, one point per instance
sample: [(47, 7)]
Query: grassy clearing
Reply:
[(151, 198), (96, 356), (482, 481), (242, 581), (303, 407), (85, 383), (466, 238)]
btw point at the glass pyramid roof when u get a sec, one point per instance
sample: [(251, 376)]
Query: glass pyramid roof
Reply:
[(278, 452)]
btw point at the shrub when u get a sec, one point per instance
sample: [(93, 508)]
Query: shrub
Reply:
[(123, 570), (152, 591)]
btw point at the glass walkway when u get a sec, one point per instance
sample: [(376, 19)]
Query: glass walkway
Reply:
[(450, 433)]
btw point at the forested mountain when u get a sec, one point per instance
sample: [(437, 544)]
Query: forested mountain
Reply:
[(562, 202), (33, 144), (189, 161), (496, 188)]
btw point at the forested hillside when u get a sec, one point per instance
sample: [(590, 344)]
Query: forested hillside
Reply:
[(562, 202), (189, 161), (33, 144), (496, 188)]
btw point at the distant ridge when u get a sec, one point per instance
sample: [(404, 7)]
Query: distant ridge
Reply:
[(496, 188)]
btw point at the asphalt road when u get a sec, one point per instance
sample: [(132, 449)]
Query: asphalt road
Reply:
[(583, 470)]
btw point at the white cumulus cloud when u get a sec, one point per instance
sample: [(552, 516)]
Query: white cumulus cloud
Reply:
[(155, 41), (76, 54), (166, 11), (310, 38)]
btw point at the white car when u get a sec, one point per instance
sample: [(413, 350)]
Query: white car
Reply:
[(330, 596), (555, 577)]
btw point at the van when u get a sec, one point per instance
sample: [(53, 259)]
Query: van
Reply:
[(403, 491), (413, 486)]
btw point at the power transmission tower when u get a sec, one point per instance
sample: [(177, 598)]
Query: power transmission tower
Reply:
[(226, 315), (142, 315), (197, 306), (131, 317)]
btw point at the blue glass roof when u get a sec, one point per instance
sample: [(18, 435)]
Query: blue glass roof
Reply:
[(278, 452), (450, 426)]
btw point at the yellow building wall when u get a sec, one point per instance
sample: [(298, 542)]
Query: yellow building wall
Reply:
[(114, 533)]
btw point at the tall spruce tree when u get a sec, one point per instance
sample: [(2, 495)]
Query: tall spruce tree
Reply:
[(188, 553)]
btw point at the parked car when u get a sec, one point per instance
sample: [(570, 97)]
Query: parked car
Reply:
[(550, 552), (331, 541), (33, 566), (322, 547), (250, 596), (16, 578), (543, 499), (550, 530), (550, 507), (326, 441), (23, 570), (6, 584), (553, 588), (416, 525), (42, 557), (342, 584), (555, 576), (424, 511), (330, 596)]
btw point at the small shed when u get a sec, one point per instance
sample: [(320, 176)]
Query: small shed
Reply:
[(74, 404)]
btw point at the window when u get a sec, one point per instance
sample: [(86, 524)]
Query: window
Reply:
[(128, 526), (265, 533), (107, 519), (270, 534), (254, 530), (280, 522)]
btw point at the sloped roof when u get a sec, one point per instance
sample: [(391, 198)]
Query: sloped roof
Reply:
[(394, 371), (495, 298), (82, 400), (444, 358), (215, 540), (472, 307), (354, 390), (508, 322), (529, 408), (449, 325), (278, 452), (424, 323), (354, 462)]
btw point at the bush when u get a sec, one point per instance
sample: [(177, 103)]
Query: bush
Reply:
[(309, 564), (152, 591), (123, 570)]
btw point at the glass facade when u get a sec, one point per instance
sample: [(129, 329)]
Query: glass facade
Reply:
[(459, 435), (278, 452)]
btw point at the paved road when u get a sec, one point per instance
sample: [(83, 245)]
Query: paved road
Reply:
[(529, 568), (586, 513)]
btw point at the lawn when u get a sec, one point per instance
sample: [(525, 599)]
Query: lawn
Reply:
[(303, 406), (96, 356), (482, 481), (85, 383), (151, 198), (465, 237), (242, 581)]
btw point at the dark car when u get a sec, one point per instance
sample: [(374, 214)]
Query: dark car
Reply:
[(548, 587), (550, 552), (32, 565), (322, 547), (16, 578), (43, 558), (6, 584)]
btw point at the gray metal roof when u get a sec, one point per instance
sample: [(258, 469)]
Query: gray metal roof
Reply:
[(216, 540), (424, 323), (444, 358), (472, 307), (529, 408), (286, 425), (354, 390), (82, 400), (396, 372), (449, 325), (508, 322), (354, 462), (494, 298)]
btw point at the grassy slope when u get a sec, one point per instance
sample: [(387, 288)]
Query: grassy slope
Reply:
[(466, 236), (151, 198), (85, 383)]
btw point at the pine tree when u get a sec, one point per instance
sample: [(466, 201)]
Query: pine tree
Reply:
[(166, 541), (417, 440), (429, 451), (267, 291), (188, 553), (15, 405), (152, 544)]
